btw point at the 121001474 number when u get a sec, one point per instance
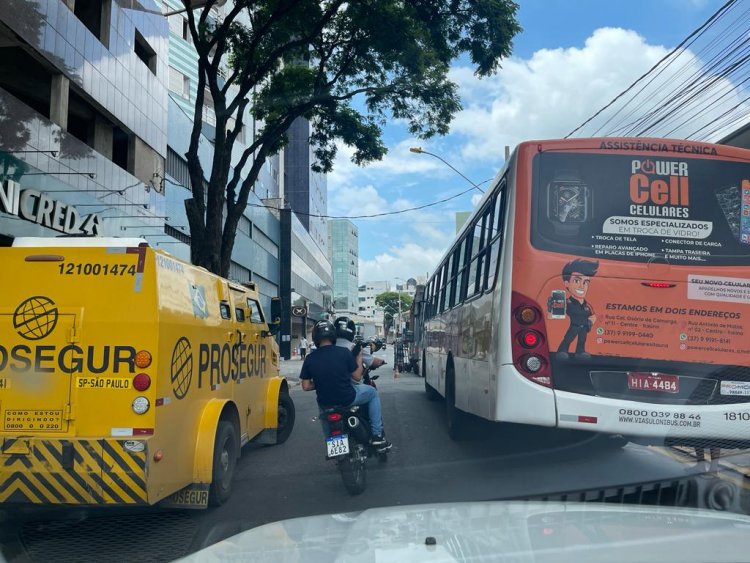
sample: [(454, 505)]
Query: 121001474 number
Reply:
[(88, 269)]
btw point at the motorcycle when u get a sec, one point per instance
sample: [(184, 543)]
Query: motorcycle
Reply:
[(348, 441)]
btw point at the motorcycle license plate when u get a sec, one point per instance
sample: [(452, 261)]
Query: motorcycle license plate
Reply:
[(337, 445)]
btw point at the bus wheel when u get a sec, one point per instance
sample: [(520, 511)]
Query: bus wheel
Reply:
[(415, 367), (225, 461), (455, 418), (432, 394), (286, 418)]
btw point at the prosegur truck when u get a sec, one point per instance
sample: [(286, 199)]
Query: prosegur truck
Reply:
[(129, 377)]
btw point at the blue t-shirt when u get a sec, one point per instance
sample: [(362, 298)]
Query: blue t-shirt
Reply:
[(331, 368)]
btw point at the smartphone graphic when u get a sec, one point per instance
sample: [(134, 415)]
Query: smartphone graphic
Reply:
[(556, 304), (745, 217)]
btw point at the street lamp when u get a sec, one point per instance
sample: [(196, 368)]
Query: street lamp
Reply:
[(420, 150)]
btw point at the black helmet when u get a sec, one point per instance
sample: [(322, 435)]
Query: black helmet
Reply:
[(375, 343), (323, 330), (345, 328)]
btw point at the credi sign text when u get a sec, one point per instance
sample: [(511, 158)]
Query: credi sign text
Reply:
[(36, 207)]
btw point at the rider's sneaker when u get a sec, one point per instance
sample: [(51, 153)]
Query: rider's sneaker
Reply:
[(380, 443)]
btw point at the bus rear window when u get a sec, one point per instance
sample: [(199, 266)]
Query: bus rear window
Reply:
[(642, 208)]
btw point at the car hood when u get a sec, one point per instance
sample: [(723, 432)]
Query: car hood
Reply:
[(508, 531)]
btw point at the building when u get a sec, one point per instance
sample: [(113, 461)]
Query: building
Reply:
[(343, 251), (409, 288), (306, 191), (83, 117)]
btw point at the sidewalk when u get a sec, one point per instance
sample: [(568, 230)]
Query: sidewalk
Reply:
[(291, 368)]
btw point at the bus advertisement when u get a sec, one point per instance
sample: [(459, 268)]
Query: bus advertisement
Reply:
[(602, 285)]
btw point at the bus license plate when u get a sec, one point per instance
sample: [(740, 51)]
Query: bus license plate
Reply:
[(337, 445), (654, 382)]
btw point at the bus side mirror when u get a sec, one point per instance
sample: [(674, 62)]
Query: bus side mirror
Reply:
[(275, 325)]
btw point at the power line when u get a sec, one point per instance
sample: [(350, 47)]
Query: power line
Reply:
[(371, 216), (694, 34)]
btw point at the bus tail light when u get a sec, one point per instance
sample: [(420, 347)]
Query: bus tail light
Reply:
[(141, 382), (529, 341)]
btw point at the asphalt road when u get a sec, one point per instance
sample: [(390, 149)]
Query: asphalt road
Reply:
[(294, 479)]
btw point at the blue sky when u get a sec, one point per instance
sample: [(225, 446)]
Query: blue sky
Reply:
[(572, 57)]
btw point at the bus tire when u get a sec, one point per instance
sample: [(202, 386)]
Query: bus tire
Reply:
[(416, 368), (225, 461), (455, 418), (432, 394), (285, 418)]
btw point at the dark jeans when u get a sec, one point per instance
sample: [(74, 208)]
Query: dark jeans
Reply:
[(575, 330), (303, 352)]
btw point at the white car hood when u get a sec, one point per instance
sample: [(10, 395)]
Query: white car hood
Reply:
[(489, 531)]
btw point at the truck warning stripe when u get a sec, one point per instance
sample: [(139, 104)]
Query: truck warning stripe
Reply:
[(75, 489), (103, 472), (18, 482), (131, 470)]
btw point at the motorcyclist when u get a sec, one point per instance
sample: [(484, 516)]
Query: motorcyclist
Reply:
[(330, 372), (345, 337)]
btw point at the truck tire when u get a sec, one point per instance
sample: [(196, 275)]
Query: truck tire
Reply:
[(225, 461), (285, 418)]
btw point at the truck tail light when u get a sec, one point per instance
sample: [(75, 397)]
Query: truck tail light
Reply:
[(529, 340), (143, 359), (141, 382)]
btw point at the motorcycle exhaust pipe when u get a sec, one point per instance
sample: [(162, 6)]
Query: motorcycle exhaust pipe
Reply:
[(357, 429)]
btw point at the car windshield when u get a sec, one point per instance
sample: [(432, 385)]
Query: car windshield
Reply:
[(384, 279)]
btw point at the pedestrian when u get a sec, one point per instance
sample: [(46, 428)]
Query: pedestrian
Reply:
[(398, 357), (303, 347)]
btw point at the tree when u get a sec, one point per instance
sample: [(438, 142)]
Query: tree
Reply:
[(345, 66), (389, 302)]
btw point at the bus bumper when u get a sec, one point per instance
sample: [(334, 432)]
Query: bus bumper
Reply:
[(630, 418), (41, 470)]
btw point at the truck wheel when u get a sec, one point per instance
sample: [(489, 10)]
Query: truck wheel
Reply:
[(286, 418), (225, 462)]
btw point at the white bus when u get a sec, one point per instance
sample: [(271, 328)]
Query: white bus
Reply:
[(602, 285)]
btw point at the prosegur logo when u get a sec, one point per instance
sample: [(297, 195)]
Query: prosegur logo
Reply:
[(35, 318), (182, 367)]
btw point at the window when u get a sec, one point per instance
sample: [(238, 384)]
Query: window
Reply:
[(231, 123), (443, 287), (256, 313), (497, 240), (463, 277), (225, 310), (239, 314), (245, 226), (145, 52), (95, 15), (209, 114), (179, 83)]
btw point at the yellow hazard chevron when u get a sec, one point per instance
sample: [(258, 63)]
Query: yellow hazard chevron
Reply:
[(43, 471)]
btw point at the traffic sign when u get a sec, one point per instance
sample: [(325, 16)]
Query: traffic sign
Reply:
[(299, 311)]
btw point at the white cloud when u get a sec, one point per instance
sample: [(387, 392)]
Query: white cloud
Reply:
[(475, 199), (549, 94), (554, 91), (403, 261)]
